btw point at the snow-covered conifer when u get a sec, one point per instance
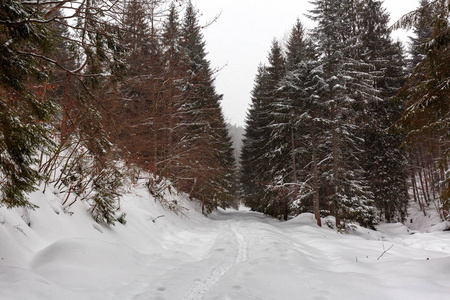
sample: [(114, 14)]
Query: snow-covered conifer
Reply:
[(209, 164), (350, 89)]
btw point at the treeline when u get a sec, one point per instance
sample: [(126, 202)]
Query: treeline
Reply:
[(342, 124), (93, 91)]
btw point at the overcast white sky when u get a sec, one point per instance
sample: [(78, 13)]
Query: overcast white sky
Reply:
[(241, 38)]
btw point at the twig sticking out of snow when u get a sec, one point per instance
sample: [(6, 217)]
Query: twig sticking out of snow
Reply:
[(154, 220), (384, 252)]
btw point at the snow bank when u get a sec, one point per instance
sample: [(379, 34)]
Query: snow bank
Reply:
[(57, 252)]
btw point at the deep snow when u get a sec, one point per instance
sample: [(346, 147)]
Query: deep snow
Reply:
[(64, 254)]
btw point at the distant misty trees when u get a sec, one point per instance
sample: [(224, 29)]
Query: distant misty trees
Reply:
[(236, 134), (91, 92), (321, 133)]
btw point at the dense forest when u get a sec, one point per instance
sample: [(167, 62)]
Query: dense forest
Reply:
[(344, 123), (96, 93)]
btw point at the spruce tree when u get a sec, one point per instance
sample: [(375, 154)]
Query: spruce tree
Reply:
[(267, 168), (287, 136), (422, 33), (349, 89), (209, 165), (298, 47), (174, 74), (279, 145), (254, 168), (304, 86), (385, 162), (142, 105), (84, 137)]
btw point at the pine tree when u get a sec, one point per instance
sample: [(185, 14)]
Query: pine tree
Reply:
[(304, 86), (84, 136), (285, 112), (349, 89), (254, 169), (279, 145), (422, 33), (385, 162), (174, 74), (267, 169), (209, 167), (142, 104), (298, 47)]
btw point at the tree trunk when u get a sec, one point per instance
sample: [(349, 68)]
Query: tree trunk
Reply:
[(424, 190), (335, 167), (414, 188), (294, 167), (417, 197), (316, 205), (422, 165), (171, 128), (285, 207), (203, 205)]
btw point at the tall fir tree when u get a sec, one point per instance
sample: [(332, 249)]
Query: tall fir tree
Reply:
[(265, 154), (298, 47), (279, 145), (304, 85), (174, 74), (99, 178), (254, 171), (349, 90), (286, 129), (209, 167), (385, 162), (131, 119), (422, 33)]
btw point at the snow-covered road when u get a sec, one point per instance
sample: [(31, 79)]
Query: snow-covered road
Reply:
[(267, 259), (231, 255)]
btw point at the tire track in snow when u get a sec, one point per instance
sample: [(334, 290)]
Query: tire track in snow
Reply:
[(200, 288)]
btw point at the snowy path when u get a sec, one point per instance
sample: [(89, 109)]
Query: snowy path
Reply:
[(233, 255), (201, 287), (296, 260), (261, 258)]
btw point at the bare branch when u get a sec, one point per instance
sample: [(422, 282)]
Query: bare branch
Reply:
[(385, 251)]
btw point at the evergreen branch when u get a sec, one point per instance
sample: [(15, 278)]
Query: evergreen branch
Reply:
[(408, 20)]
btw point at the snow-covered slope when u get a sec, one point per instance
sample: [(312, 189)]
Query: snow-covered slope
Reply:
[(51, 253)]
